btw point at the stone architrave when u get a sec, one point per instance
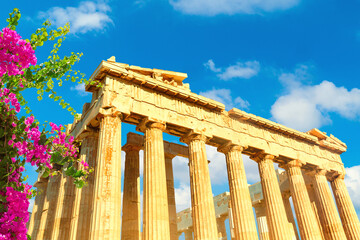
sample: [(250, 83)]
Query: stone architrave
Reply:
[(155, 204), (131, 198), (202, 204), (331, 223), (171, 195), (346, 209), (242, 212), (106, 215), (83, 205), (305, 215), (38, 208), (275, 210)]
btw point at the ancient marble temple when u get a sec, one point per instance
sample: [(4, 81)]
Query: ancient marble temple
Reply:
[(158, 102)]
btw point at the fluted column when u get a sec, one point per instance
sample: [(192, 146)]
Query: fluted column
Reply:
[(332, 226), (131, 198), (290, 216), (84, 200), (275, 210), (38, 208), (52, 196), (155, 203), (260, 210), (188, 235), (316, 208), (304, 213), (171, 195), (202, 203), (263, 228), (242, 212), (67, 203), (221, 228), (346, 208), (106, 215)]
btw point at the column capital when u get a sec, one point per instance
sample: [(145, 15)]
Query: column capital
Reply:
[(169, 156), (129, 147), (150, 123), (286, 194), (320, 171), (229, 146), (109, 112), (193, 136), (41, 183), (89, 133), (262, 156), (336, 175), (291, 164)]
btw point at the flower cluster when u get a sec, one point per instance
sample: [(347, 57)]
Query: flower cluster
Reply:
[(32, 149), (15, 53), (22, 141), (8, 97), (13, 221)]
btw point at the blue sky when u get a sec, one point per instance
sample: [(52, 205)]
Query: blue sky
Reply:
[(295, 62)]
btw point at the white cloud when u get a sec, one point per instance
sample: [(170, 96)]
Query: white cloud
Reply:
[(182, 197), (181, 170), (88, 16), (251, 170), (31, 206), (245, 70), (211, 65), (217, 166), (224, 96), (231, 7), (304, 107), (80, 89), (352, 182)]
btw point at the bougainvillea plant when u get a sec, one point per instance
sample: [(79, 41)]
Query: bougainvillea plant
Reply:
[(22, 138)]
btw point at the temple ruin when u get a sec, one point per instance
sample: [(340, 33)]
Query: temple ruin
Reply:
[(157, 102)]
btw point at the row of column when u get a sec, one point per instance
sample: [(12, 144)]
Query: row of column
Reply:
[(95, 211)]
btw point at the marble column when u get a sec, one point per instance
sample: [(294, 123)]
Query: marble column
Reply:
[(155, 204), (221, 228), (36, 216), (106, 215), (171, 195), (290, 216), (302, 205), (332, 226), (275, 210), (83, 205), (346, 208), (202, 203), (242, 211), (67, 202), (263, 228), (316, 208), (131, 198), (52, 196), (260, 210), (188, 235)]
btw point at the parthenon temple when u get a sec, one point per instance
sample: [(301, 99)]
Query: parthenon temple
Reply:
[(157, 102)]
